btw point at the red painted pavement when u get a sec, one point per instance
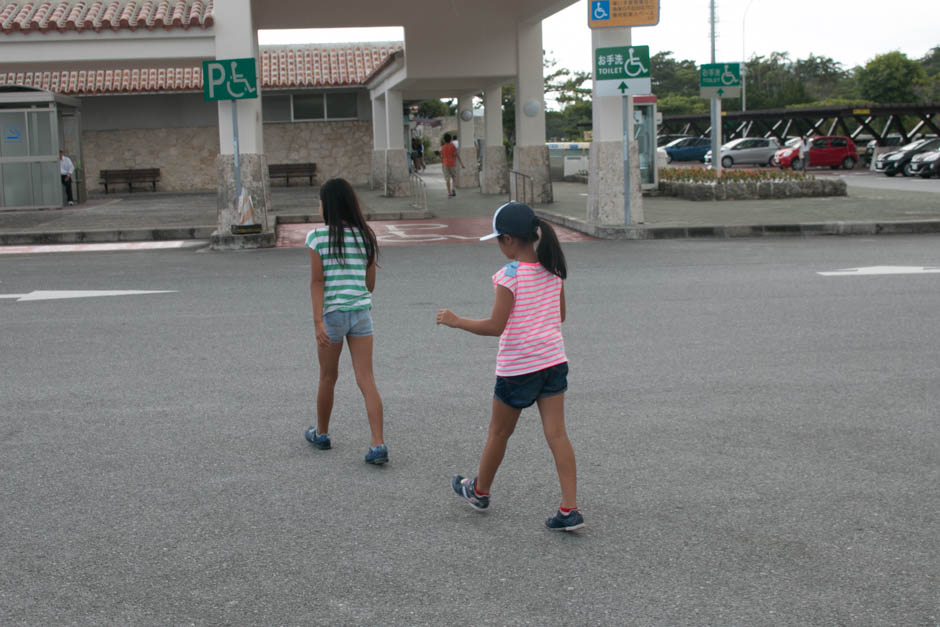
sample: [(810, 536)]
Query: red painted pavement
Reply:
[(414, 232)]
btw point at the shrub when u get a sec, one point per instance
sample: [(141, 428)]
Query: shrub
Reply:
[(708, 175)]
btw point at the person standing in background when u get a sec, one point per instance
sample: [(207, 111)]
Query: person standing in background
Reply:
[(66, 169)]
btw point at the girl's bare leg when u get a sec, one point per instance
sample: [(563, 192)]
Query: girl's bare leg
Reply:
[(360, 348), (552, 409), (502, 424), (329, 371)]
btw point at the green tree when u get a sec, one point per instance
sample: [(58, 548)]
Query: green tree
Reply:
[(432, 109), (930, 91), (890, 78)]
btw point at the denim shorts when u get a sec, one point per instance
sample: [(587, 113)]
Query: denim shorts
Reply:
[(340, 324), (523, 390)]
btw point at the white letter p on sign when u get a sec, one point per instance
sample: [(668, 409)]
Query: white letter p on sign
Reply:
[(216, 77)]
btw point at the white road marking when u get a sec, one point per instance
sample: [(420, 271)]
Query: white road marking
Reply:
[(883, 271), (87, 248), (61, 294)]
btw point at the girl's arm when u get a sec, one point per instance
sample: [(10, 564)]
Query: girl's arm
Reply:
[(494, 325), (370, 277), (562, 302), (317, 283)]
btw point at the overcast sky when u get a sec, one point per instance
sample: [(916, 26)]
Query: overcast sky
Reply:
[(851, 32)]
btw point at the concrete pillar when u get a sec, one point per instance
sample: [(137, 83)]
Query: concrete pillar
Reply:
[(530, 155), (495, 179), (236, 38), (379, 142), (605, 204), (469, 174), (396, 155)]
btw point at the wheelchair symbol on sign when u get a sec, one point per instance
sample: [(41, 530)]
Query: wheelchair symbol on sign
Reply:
[(238, 78), (635, 63), (727, 77), (600, 9)]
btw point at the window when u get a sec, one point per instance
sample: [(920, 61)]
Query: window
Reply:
[(838, 142), (328, 106), (341, 106), (309, 107)]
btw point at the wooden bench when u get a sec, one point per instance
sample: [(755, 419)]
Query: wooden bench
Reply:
[(131, 176), (296, 170)]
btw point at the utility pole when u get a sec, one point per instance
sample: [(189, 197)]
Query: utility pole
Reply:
[(716, 103)]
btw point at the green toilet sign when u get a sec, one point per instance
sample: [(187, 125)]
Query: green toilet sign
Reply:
[(229, 79), (720, 80), (622, 71)]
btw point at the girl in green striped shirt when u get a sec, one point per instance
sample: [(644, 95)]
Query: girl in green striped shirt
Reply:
[(343, 256)]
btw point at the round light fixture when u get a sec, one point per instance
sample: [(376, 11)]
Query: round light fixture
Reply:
[(466, 115), (532, 107)]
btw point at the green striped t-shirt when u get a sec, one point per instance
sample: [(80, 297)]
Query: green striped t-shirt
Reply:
[(345, 283)]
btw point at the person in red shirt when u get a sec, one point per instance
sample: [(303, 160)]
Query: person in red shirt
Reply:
[(449, 159)]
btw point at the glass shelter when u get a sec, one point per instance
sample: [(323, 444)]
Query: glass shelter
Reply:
[(34, 126)]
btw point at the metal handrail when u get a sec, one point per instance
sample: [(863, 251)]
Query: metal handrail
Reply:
[(528, 187), (419, 192)]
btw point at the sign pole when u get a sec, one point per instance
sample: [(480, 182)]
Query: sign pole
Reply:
[(716, 135), (627, 114), (238, 169)]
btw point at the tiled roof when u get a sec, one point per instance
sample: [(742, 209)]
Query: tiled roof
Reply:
[(282, 67), (98, 15)]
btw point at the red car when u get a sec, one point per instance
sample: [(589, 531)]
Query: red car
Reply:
[(835, 151)]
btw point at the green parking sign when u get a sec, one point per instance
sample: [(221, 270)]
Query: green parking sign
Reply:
[(229, 79)]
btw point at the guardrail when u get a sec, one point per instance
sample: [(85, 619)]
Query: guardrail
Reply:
[(527, 193), (419, 192)]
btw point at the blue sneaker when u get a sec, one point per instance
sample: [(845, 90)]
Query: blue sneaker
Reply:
[(321, 441), (571, 522), (466, 489), (377, 455)]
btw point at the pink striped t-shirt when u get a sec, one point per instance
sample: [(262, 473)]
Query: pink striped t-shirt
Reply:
[(532, 338)]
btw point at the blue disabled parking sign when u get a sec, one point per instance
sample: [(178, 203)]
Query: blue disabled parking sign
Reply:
[(600, 10)]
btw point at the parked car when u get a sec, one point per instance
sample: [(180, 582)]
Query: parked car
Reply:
[(900, 160), (662, 140), (891, 140), (688, 149), (759, 150), (926, 164), (831, 150)]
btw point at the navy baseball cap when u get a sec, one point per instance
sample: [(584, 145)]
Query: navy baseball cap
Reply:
[(513, 218)]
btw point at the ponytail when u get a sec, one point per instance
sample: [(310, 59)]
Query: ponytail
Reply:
[(549, 251)]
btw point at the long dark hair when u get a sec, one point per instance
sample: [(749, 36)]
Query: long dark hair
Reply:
[(548, 251), (341, 209)]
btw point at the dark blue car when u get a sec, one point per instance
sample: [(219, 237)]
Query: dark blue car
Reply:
[(688, 149)]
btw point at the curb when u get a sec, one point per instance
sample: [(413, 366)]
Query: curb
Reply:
[(100, 236), (145, 234), (644, 232)]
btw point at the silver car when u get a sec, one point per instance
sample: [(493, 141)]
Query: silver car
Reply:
[(759, 150)]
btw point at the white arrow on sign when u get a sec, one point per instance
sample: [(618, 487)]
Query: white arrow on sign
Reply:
[(883, 270), (59, 294)]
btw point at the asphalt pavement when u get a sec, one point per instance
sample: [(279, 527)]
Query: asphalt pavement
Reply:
[(757, 444)]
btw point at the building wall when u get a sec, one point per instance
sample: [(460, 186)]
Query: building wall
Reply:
[(179, 134)]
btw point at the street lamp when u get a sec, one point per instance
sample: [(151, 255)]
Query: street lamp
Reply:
[(744, 57)]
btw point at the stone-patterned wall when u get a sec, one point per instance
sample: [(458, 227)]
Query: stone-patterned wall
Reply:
[(338, 148), (186, 156)]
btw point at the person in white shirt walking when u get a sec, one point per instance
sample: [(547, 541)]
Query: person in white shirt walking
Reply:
[(66, 169)]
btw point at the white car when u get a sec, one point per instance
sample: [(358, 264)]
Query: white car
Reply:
[(753, 150)]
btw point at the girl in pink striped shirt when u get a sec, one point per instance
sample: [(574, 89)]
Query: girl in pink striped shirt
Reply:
[(531, 366)]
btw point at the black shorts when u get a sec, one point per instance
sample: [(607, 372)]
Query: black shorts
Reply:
[(523, 390)]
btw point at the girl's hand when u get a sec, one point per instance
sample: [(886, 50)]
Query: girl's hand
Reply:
[(447, 317), (323, 338)]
